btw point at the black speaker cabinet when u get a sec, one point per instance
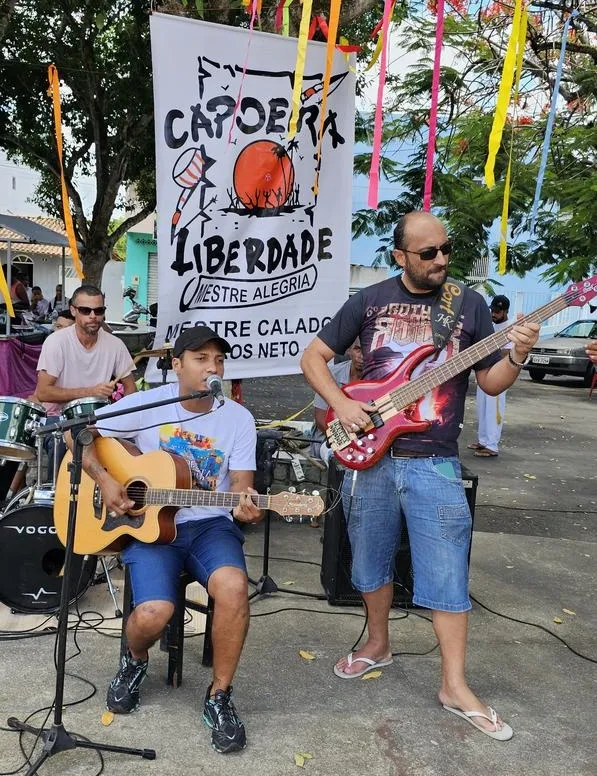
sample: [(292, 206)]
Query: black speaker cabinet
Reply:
[(336, 561)]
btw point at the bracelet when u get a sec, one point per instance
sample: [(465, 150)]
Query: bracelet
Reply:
[(517, 364)]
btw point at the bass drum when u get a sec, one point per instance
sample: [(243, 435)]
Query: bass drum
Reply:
[(32, 560)]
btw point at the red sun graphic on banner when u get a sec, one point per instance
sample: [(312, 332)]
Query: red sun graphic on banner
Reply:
[(263, 175)]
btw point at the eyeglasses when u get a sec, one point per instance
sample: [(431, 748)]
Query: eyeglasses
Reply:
[(430, 253), (89, 310)]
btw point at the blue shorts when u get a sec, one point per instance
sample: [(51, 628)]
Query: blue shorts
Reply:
[(428, 493), (200, 548)]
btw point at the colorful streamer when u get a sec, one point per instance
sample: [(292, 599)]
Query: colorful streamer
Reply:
[(329, 64), (299, 68), (54, 91), (5, 291), (550, 121), (507, 183), (283, 17), (503, 100), (255, 7), (373, 196), (439, 38)]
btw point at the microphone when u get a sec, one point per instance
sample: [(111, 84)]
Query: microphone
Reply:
[(214, 383)]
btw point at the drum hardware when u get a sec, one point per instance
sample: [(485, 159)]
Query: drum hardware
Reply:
[(111, 588)]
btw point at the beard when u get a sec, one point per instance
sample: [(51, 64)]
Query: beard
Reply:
[(423, 279)]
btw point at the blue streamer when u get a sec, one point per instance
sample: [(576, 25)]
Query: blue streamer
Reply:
[(550, 121)]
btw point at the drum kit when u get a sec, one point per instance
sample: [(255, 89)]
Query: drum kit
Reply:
[(31, 556)]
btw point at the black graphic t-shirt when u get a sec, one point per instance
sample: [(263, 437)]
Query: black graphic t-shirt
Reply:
[(391, 323)]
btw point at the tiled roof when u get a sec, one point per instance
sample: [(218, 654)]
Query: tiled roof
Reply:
[(55, 224)]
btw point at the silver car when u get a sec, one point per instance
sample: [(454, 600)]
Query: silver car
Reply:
[(564, 354)]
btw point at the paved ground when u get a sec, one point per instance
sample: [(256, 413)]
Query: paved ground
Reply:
[(533, 556)]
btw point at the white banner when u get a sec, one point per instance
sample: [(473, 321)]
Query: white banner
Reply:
[(244, 244)]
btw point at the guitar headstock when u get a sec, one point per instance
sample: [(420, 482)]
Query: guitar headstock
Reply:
[(287, 503), (579, 294)]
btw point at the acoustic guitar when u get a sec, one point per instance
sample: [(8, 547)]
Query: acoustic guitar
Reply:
[(160, 484), (395, 399)]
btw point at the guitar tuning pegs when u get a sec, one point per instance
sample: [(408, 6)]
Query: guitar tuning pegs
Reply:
[(292, 489), (315, 493)]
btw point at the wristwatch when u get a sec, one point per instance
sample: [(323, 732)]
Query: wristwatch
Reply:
[(517, 364)]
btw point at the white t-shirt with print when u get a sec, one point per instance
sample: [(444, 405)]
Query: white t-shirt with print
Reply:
[(224, 439)]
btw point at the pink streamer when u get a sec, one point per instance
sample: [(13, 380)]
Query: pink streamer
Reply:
[(254, 6), (439, 36), (373, 196), (279, 15)]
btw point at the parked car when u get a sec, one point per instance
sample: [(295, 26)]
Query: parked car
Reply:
[(564, 354)]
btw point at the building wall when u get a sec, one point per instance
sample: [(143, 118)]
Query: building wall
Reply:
[(138, 247)]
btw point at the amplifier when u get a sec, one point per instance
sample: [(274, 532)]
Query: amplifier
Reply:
[(336, 561)]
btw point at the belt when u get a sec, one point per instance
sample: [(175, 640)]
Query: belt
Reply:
[(400, 452)]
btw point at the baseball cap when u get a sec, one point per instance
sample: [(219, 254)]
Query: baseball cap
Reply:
[(500, 302), (193, 339)]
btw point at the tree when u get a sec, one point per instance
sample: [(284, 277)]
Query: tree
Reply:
[(101, 50), (565, 233)]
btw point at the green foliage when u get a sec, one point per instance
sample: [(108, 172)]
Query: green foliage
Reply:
[(566, 230)]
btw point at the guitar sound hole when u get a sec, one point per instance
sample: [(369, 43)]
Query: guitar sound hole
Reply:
[(136, 492)]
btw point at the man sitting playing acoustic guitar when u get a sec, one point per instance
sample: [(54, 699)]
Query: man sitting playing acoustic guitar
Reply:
[(219, 444)]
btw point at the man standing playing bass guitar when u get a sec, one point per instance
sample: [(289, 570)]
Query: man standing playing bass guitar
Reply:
[(419, 478)]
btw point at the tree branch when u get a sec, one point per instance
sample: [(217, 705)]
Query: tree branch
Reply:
[(6, 9), (131, 221)]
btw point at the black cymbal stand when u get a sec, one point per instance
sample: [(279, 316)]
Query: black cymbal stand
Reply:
[(57, 739)]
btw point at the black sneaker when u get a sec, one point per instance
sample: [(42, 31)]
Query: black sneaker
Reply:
[(227, 731), (123, 692)]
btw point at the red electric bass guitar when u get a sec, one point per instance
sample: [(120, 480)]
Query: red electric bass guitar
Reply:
[(395, 399)]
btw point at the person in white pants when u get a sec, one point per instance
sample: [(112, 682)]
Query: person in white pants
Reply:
[(491, 409)]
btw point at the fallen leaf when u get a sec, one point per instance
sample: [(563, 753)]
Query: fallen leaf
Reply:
[(530, 476), (558, 620), (299, 760), (288, 582), (372, 675), (107, 718), (568, 611), (306, 655), (306, 755)]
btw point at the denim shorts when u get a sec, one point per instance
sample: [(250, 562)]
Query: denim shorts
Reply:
[(200, 548), (427, 493)]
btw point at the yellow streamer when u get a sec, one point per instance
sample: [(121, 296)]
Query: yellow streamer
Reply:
[(5, 291), (54, 91), (507, 184), (299, 68), (286, 18), (329, 64), (503, 100), (376, 52)]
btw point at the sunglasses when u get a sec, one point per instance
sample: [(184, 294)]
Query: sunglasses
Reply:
[(89, 310), (430, 253)]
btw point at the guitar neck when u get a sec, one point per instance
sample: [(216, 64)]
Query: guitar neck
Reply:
[(415, 389), (178, 497)]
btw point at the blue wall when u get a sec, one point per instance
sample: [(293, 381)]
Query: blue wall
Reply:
[(138, 248)]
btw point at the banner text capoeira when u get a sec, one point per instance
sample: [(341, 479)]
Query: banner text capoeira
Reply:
[(245, 245)]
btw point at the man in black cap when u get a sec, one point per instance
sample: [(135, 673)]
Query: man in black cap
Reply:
[(218, 441), (491, 409)]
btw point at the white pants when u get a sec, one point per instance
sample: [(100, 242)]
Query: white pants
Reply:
[(490, 415)]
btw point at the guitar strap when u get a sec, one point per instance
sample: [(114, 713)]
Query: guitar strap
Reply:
[(445, 311)]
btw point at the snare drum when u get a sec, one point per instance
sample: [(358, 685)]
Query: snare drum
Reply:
[(19, 418), (79, 407), (32, 561)]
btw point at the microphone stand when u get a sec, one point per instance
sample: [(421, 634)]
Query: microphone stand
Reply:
[(57, 739), (266, 585)]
